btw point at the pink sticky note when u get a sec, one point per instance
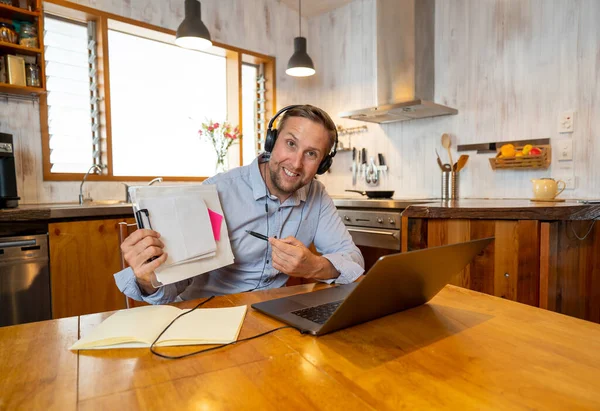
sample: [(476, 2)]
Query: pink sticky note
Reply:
[(215, 222)]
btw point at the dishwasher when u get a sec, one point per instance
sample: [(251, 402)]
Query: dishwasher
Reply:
[(24, 280)]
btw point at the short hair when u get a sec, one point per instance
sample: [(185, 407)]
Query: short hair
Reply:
[(314, 114)]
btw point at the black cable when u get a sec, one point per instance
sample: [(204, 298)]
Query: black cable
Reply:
[(200, 304)]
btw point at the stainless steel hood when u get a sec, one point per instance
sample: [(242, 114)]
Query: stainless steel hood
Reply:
[(405, 58)]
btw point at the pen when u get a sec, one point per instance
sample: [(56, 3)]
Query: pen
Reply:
[(258, 235)]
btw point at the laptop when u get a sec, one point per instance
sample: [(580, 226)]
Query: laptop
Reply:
[(395, 283)]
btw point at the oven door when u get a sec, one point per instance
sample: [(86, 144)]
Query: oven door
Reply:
[(375, 237)]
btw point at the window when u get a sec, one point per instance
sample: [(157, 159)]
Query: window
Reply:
[(152, 98), (68, 96), (160, 94)]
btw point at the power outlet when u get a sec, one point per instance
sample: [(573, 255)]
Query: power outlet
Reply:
[(565, 150), (566, 173), (569, 182), (566, 122)]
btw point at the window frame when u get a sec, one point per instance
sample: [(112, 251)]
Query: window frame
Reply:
[(235, 56)]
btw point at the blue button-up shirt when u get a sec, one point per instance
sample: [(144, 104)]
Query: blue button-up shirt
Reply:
[(308, 215)]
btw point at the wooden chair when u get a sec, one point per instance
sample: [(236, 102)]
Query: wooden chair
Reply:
[(125, 229)]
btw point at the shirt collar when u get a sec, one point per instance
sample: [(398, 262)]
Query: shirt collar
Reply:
[(259, 186)]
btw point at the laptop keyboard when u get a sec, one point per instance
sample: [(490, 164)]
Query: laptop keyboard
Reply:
[(319, 313)]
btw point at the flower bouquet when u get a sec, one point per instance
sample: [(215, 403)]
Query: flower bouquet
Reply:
[(221, 136)]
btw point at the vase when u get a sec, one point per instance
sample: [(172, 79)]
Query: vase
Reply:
[(221, 165)]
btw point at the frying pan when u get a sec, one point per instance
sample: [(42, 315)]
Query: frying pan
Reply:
[(375, 193)]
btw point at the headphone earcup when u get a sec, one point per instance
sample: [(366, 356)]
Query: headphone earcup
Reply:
[(270, 140), (325, 164)]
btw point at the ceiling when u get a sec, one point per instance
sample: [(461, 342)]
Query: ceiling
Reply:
[(312, 8)]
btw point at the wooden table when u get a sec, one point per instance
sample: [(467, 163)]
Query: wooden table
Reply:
[(463, 350)]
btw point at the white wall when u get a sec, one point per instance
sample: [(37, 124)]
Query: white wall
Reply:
[(264, 26), (509, 67)]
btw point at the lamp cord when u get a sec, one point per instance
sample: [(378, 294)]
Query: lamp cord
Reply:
[(300, 16)]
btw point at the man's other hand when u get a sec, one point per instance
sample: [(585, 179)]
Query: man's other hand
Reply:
[(292, 257), (137, 249)]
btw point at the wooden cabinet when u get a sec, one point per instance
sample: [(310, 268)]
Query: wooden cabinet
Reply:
[(84, 255), (14, 15), (533, 262)]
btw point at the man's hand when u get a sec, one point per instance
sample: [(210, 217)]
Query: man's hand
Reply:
[(291, 257), (137, 249)]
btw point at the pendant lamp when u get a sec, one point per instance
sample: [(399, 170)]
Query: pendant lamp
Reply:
[(300, 64), (192, 33)]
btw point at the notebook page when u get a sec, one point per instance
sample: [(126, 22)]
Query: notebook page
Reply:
[(138, 327), (206, 326)]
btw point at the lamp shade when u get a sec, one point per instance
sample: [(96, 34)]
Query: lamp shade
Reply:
[(300, 64), (192, 33)]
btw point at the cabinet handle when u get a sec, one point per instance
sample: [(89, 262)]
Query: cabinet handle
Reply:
[(358, 230), (23, 243)]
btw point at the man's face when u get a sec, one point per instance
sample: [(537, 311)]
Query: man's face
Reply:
[(298, 151)]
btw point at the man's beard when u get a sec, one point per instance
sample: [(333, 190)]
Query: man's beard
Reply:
[(277, 183)]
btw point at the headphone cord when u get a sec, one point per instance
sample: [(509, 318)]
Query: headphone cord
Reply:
[(200, 304)]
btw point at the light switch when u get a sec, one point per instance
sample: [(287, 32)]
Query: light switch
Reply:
[(565, 150), (566, 122)]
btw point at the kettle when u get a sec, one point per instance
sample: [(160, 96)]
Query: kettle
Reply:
[(547, 188)]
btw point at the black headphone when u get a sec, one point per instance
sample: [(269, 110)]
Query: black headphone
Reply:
[(272, 137)]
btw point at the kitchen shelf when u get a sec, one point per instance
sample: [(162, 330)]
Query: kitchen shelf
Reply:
[(16, 48), (17, 13), (10, 14)]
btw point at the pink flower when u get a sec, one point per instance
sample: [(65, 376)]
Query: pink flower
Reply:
[(216, 125)]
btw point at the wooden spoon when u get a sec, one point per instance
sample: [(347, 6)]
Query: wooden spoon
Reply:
[(446, 144), (460, 164)]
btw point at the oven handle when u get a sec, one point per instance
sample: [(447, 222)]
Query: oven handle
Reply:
[(359, 230), (21, 243)]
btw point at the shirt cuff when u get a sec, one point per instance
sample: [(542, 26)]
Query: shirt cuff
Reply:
[(349, 270), (127, 284)]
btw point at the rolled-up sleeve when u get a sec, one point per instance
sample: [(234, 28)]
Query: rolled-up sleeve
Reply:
[(126, 283), (334, 242)]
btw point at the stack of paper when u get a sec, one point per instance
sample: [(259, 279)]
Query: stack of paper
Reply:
[(139, 327), (190, 221)]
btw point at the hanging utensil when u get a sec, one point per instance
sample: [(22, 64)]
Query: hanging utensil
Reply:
[(461, 163), (446, 143), (363, 166), (354, 166)]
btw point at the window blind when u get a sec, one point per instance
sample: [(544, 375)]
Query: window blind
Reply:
[(68, 83)]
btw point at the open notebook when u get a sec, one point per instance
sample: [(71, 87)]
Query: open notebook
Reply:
[(139, 327), (190, 220)]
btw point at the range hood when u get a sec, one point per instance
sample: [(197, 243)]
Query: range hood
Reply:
[(405, 57)]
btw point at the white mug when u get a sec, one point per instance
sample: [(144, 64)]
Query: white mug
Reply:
[(547, 188)]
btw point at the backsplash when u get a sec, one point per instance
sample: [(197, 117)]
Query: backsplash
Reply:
[(508, 68)]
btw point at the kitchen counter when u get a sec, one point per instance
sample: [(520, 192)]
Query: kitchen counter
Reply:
[(59, 211), (500, 209), (381, 203)]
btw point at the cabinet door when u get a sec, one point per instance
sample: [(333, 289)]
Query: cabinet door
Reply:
[(84, 255), (508, 268)]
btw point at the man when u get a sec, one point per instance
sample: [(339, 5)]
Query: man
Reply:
[(276, 195)]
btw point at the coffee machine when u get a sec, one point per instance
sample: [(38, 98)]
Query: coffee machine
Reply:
[(8, 175)]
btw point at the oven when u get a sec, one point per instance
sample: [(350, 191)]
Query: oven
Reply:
[(376, 233)]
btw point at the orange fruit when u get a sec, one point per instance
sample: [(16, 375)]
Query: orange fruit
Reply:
[(508, 150)]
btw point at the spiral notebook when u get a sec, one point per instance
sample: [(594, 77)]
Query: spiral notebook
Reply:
[(190, 221)]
